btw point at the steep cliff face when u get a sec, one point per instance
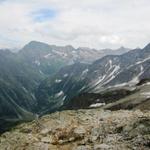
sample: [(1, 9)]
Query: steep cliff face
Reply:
[(91, 129)]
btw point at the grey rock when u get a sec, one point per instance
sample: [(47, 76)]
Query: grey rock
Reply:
[(101, 147)]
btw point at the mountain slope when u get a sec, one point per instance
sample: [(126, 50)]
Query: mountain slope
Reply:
[(111, 70), (18, 83), (22, 72), (48, 59), (60, 84)]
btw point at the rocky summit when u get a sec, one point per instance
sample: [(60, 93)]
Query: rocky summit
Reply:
[(88, 129)]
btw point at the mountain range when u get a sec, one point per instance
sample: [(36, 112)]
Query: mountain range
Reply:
[(109, 72), (42, 78)]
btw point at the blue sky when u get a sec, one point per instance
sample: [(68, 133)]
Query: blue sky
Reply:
[(81, 23), (43, 15)]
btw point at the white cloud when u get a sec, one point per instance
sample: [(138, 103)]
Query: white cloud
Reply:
[(89, 23)]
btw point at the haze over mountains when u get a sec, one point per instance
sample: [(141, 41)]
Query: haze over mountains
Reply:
[(43, 78)]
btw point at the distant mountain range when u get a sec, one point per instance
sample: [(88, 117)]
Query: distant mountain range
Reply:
[(42, 78), (108, 72)]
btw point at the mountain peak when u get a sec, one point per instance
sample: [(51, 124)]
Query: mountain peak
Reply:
[(70, 47), (84, 48), (36, 45), (33, 43), (123, 48), (147, 46)]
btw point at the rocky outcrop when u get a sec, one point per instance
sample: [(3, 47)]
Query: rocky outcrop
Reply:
[(92, 129)]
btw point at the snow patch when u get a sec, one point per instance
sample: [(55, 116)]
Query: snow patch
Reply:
[(97, 105), (139, 62), (120, 85), (147, 94), (112, 75), (148, 83), (47, 56), (58, 81), (84, 72), (41, 72), (37, 62), (64, 98), (82, 88), (135, 80), (62, 102), (25, 89), (100, 79), (65, 75), (110, 63), (61, 93)]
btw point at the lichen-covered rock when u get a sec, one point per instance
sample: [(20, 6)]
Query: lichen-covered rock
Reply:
[(102, 147), (82, 130)]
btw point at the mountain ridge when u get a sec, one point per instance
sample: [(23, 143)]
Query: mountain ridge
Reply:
[(26, 78), (111, 70)]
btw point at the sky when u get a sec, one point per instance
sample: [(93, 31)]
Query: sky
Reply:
[(81, 23)]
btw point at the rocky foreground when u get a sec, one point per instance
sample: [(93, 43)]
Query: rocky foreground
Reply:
[(92, 129)]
